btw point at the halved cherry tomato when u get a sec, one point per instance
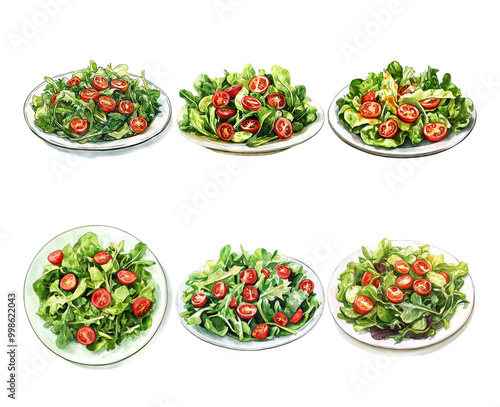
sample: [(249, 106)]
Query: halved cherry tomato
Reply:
[(100, 83), (445, 275), (388, 129), (101, 298), (422, 286), (266, 272), (283, 128), (220, 98), (404, 282), (297, 317), (363, 304), (219, 290), (53, 99), (435, 131), (261, 331), (232, 91), (367, 278), (259, 84), (283, 271), (73, 81), (246, 311), (126, 277), (250, 103), (225, 113), (421, 267), (102, 258), (280, 319), (56, 257), (250, 125), (250, 293), (307, 285), (248, 276), (403, 90), (141, 306), (68, 282), (370, 110), (88, 94), (233, 303), (369, 97), (138, 124), (85, 335), (376, 282), (199, 299), (106, 103), (430, 103), (408, 113), (119, 84), (402, 267), (276, 100), (394, 294), (225, 131), (79, 126), (125, 107)]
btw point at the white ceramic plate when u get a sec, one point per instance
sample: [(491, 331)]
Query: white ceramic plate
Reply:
[(156, 127), (407, 149), (457, 321), (233, 343), (75, 352), (269, 148)]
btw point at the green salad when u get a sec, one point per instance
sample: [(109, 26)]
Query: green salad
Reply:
[(96, 104), (258, 296), (248, 107), (98, 296), (396, 104), (401, 292)]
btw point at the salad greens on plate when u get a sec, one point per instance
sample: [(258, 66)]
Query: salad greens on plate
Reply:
[(95, 295), (251, 107), (96, 104), (258, 296), (397, 104), (401, 292)]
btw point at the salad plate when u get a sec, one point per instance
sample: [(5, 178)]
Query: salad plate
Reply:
[(131, 342), (456, 321), (249, 344)]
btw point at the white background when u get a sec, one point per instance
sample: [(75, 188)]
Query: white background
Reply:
[(320, 194)]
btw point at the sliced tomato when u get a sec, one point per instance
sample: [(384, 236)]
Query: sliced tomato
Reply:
[(88, 94), (283, 271), (141, 306), (68, 282), (250, 293), (367, 278), (430, 103), (363, 304), (261, 331), (422, 286), (370, 110), (404, 282), (376, 282), (250, 103), (259, 84), (100, 83), (232, 91), (126, 277), (408, 113), (394, 294), (402, 267), (307, 285), (101, 298), (220, 98), (248, 276), (250, 125), (225, 113), (125, 107), (53, 99), (138, 124), (246, 311), (266, 272), (280, 319), (421, 267), (85, 335), (56, 257), (369, 97), (225, 131), (79, 126), (297, 317), (276, 100), (435, 131), (403, 90), (283, 128), (102, 258), (219, 290), (445, 275), (388, 129), (106, 103), (199, 299), (75, 80), (119, 84), (233, 303)]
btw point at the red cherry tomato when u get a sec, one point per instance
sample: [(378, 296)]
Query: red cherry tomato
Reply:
[(421, 267), (307, 285), (394, 294), (233, 303), (376, 282), (73, 81), (141, 306), (266, 272), (79, 126), (102, 258), (199, 299), (250, 125), (53, 99), (220, 98), (225, 113), (276, 100), (101, 298), (430, 103), (250, 103), (56, 257), (369, 97), (126, 277), (106, 103), (403, 90), (261, 331), (88, 94), (435, 131), (68, 282), (225, 131), (250, 293), (283, 128), (388, 129), (283, 271), (85, 335), (404, 282), (408, 113), (445, 275), (363, 304), (219, 290), (422, 286), (402, 267), (259, 84), (246, 311), (367, 278), (248, 276), (138, 124), (100, 83), (232, 91), (125, 107), (280, 319), (297, 317), (370, 110), (119, 84)]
